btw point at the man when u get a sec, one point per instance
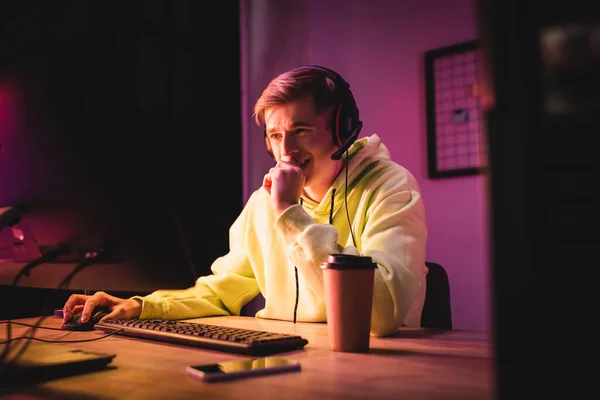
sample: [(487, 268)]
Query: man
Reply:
[(328, 193)]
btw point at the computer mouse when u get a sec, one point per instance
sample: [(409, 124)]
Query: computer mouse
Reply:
[(74, 323)]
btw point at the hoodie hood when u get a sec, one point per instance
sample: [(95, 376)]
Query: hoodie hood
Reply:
[(364, 155)]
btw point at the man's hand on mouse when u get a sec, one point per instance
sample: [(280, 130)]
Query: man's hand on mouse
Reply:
[(119, 308)]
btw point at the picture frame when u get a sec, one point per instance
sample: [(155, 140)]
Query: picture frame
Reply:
[(455, 140)]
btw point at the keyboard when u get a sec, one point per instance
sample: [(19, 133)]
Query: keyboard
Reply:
[(211, 337)]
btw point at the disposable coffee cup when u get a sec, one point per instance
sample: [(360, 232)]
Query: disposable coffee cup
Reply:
[(348, 283)]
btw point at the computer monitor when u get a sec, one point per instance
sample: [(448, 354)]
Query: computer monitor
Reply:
[(107, 143), (79, 177)]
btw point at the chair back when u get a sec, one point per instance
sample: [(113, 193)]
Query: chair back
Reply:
[(437, 312)]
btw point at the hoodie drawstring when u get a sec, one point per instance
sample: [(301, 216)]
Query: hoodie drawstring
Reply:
[(331, 208), (297, 287), (296, 268)]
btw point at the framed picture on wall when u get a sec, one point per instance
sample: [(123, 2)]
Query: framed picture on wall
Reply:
[(455, 140)]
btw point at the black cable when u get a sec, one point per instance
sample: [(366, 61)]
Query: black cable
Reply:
[(297, 285), (29, 325), (331, 208), (100, 256), (25, 271), (331, 223), (49, 256), (346, 202), (62, 341), (297, 290)]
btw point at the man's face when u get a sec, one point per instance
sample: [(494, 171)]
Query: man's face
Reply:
[(298, 135)]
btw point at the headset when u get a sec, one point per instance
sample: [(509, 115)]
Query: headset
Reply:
[(345, 124)]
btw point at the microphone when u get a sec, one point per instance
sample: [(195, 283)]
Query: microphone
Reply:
[(49, 256), (351, 139), (9, 216)]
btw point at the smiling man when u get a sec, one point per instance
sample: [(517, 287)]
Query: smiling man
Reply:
[(329, 192), (300, 140)]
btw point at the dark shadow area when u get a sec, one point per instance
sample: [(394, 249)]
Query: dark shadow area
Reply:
[(542, 91), (115, 116), (437, 308), (25, 302)]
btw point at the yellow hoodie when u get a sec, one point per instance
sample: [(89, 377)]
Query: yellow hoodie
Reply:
[(388, 221)]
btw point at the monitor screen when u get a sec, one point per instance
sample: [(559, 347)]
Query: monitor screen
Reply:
[(80, 178), (101, 148)]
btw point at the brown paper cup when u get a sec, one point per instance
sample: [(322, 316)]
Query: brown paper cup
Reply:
[(348, 282)]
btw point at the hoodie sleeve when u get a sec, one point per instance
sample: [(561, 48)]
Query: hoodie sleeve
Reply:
[(389, 227), (394, 236), (309, 242), (231, 285)]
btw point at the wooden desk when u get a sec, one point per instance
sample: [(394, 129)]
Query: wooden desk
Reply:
[(414, 364)]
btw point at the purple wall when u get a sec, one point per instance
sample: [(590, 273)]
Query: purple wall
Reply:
[(378, 47)]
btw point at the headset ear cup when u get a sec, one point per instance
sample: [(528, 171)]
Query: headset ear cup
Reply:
[(344, 122)]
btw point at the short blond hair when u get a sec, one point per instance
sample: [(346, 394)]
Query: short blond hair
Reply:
[(298, 83)]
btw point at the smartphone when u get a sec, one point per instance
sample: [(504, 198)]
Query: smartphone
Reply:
[(236, 369)]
